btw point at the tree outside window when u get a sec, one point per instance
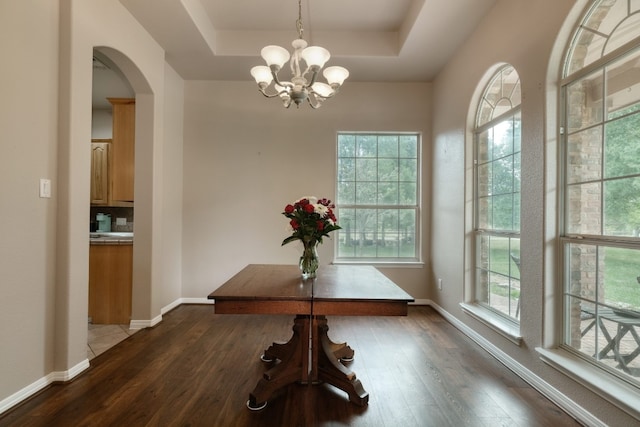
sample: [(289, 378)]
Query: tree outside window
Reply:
[(378, 197)]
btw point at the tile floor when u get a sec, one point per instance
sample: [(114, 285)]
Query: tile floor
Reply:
[(102, 337)]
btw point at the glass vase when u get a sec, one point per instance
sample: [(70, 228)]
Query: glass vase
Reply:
[(309, 260)]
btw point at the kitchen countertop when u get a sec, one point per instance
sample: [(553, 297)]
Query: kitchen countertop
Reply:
[(111, 238)]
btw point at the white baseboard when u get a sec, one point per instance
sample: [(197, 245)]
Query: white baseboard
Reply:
[(141, 324), (196, 301), (38, 385), (569, 406)]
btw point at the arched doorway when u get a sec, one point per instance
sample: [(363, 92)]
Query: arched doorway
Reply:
[(111, 219), (133, 84)]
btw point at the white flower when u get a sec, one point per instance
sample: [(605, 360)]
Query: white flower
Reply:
[(320, 209)]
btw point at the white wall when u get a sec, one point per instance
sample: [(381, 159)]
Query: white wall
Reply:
[(28, 121), (522, 33), (169, 287), (101, 124), (46, 125), (248, 157)]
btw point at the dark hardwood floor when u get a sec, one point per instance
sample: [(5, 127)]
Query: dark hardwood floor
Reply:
[(197, 368)]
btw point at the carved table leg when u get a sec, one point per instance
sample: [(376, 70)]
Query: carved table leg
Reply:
[(293, 366), (327, 367), (340, 351), (326, 357), (282, 351)]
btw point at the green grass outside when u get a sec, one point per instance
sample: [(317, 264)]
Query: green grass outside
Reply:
[(406, 250), (503, 291), (621, 267), (501, 261)]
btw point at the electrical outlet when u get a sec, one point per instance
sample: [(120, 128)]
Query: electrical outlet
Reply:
[(121, 221), (439, 284)]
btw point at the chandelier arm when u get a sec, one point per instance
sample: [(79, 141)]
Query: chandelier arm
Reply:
[(274, 74), (263, 90), (322, 97), (316, 102)]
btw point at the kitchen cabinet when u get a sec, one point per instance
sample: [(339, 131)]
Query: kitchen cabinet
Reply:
[(123, 148), (100, 172), (110, 283)]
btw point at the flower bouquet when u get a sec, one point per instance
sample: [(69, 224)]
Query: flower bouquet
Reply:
[(311, 219)]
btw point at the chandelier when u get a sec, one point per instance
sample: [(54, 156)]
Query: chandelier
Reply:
[(303, 85)]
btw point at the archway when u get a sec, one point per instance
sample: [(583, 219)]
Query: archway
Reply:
[(143, 184)]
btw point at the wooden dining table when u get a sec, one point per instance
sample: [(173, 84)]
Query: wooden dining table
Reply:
[(309, 357)]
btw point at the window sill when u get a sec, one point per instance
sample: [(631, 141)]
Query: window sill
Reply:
[(614, 390), (507, 329), (383, 264)]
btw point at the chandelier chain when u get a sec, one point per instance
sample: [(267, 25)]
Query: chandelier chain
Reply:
[(299, 20)]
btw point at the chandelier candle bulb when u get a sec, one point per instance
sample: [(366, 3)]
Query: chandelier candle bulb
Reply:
[(335, 75), (315, 56), (322, 88), (275, 55), (262, 74)]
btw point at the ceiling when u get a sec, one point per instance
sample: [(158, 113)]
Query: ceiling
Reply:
[(376, 40)]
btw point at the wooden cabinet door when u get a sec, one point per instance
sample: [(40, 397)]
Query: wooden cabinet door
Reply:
[(110, 283), (99, 173), (123, 148)]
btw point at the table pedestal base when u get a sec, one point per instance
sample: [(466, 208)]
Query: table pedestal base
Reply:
[(309, 357)]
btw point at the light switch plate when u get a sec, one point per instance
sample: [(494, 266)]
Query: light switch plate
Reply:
[(121, 221), (45, 188)]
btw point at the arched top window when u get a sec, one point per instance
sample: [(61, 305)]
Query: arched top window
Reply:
[(607, 26), (501, 95), (600, 177), (497, 196)]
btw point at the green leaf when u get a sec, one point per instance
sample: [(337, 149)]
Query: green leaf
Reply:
[(289, 240)]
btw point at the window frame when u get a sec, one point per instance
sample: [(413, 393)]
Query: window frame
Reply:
[(415, 261), (597, 241), (504, 323), (581, 368)]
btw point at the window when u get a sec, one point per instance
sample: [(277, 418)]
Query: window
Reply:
[(378, 197), (600, 144), (497, 195)]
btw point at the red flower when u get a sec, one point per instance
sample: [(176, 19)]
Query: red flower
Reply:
[(311, 220)]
